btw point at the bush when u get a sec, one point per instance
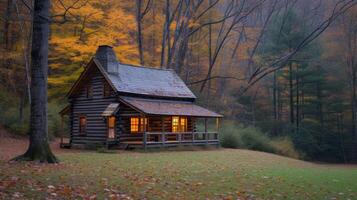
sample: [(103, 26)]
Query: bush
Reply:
[(284, 146), (236, 136)]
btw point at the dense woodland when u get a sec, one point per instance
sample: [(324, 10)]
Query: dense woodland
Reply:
[(287, 68)]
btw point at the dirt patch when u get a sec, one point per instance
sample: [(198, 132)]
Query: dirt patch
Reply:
[(13, 145)]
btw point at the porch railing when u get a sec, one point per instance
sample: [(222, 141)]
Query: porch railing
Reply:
[(173, 138)]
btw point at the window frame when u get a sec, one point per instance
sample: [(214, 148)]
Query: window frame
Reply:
[(82, 129), (114, 127), (141, 126), (179, 127)]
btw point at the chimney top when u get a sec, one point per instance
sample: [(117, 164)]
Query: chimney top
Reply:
[(107, 58)]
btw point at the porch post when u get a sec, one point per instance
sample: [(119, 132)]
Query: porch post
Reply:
[(217, 134), (145, 133), (193, 130), (206, 134), (145, 140), (163, 131), (217, 126)]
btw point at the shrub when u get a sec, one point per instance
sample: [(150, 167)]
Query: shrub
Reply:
[(236, 136), (253, 139), (284, 146)]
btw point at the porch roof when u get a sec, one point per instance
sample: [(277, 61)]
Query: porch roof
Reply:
[(110, 110), (168, 107)]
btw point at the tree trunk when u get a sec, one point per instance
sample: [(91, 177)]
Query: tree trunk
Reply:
[(291, 94), (39, 149), (319, 104), (297, 118), (354, 117), (275, 104), (165, 33), (7, 19), (139, 34)]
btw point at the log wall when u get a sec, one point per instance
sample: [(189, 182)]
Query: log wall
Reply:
[(92, 108)]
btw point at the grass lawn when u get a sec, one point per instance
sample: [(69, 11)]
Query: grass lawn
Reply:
[(213, 174)]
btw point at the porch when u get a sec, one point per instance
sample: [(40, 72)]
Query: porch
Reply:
[(167, 139), (165, 123)]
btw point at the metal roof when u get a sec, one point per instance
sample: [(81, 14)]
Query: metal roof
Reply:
[(149, 81), (110, 110), (139, 79), (168, 107)]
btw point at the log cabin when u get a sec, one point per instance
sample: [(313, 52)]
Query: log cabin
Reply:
[(119, 105)]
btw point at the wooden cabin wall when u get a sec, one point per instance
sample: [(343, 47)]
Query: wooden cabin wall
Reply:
[(92, 108), (123, 124), (154, 124)]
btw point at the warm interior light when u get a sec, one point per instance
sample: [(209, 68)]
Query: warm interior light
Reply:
[(111, 127), (134, 124)]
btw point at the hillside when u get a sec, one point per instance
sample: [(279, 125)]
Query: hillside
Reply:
[(213, 174)]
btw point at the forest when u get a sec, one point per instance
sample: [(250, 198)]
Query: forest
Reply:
[(282, 71)]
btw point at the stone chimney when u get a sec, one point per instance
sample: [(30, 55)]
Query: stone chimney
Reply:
[(107, 58)]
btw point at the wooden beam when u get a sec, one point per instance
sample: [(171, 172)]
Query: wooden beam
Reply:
[(163, 131), (206, 134)]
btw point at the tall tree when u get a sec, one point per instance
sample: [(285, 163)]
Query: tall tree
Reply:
[(39, 148), (139, 18)]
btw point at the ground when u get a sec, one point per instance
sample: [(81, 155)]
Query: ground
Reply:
[(211, 174)]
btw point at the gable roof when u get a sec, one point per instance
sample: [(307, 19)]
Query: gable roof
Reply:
[(139, 80), (149, 81)]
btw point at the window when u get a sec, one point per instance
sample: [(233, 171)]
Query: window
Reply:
[(183, 124), (143, 123), (89, 91), (175, 124), (179, 124), (138, 124), (82, 125), (106, 89), (111, 127)]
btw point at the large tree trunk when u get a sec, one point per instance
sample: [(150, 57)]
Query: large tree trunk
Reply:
[(39, 148)]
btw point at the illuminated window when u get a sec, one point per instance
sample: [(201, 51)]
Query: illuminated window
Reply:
[(175, 124), (143, 123), (82, 125), (179, 124), (138, 124), (111, 127), (183, 124), (106, 90), (134, 124)]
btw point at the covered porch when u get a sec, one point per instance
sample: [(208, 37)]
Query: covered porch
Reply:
[(168, 123)]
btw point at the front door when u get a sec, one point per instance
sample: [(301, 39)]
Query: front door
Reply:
[(111, 127)]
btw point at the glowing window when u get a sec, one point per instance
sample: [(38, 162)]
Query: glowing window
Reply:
[(111, 127), (138, 124), (175, 124), (183, 124), (179, 124), (143, 123), (134, 124), (82, 124)]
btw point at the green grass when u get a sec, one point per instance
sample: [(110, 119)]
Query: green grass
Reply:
[(179, 175)]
